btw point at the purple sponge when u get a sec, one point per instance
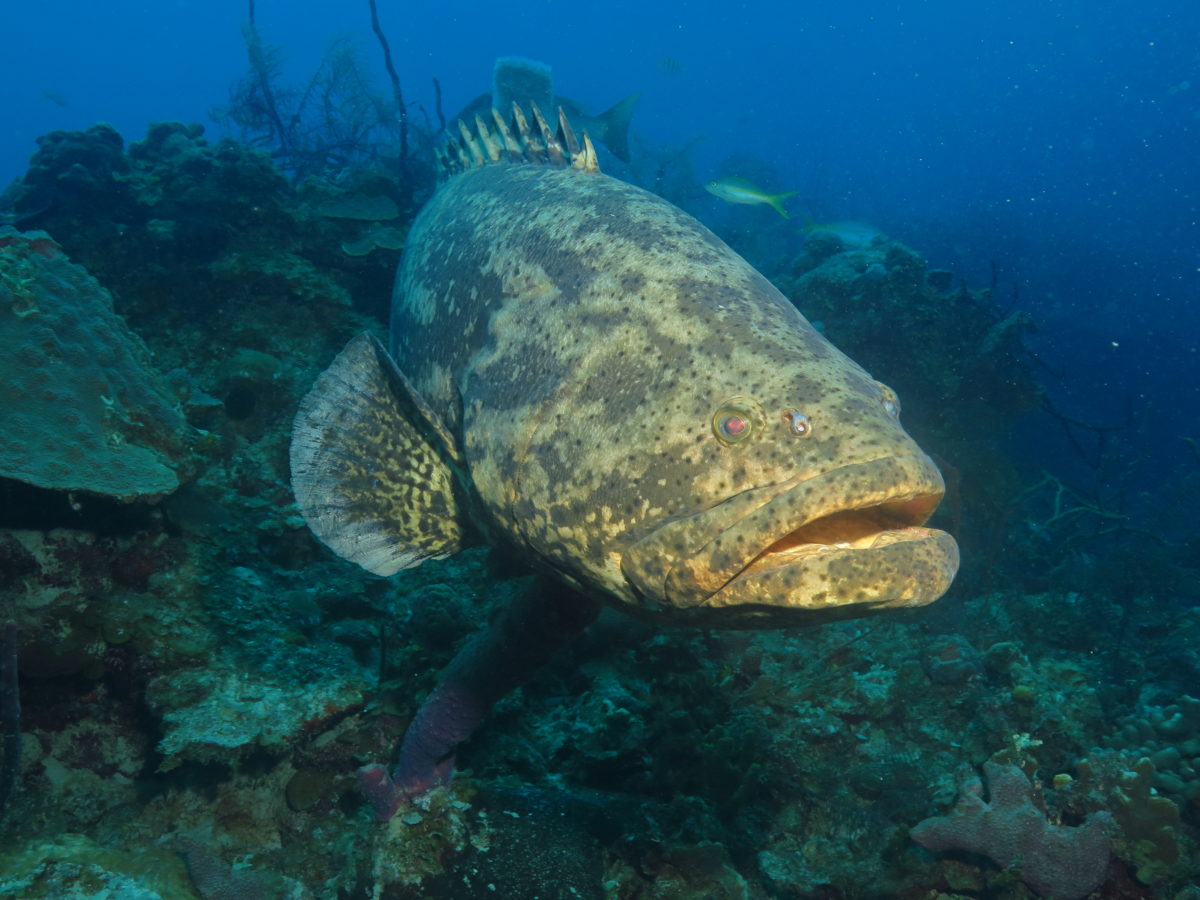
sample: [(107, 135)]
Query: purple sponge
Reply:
[(1055, 860)]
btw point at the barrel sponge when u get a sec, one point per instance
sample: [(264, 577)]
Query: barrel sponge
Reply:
[(83, 409)]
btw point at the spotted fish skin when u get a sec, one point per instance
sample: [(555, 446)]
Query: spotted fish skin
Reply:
[(584, 375), (577, 337)]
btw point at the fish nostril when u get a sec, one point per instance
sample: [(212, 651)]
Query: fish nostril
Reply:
[(798, 422)]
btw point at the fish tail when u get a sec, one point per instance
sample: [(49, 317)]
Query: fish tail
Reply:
[(614, 123), (776, 202)]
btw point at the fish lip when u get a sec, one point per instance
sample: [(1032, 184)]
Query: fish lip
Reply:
[(771, 560)]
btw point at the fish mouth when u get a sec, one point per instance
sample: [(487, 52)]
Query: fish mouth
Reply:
[(845, 543), (851, 529)]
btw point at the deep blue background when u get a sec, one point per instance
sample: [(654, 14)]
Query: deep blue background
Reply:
[(1056, 141)]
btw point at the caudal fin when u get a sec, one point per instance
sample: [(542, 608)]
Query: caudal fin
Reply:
[(776, 202), (614, 126)]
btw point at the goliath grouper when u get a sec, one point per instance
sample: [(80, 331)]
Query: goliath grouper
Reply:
[(587, 378)]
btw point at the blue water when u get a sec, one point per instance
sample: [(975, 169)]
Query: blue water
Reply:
[(1053, 143)]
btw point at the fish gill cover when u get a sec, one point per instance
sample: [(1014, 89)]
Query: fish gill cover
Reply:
[(199, 678)]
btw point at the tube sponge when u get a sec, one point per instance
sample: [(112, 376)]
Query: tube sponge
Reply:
[(1056, 861)]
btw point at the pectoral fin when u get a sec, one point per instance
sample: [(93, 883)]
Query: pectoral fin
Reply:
[(373, 468)]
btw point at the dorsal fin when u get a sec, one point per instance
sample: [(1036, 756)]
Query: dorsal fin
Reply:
[(468, 143), (511, 145), (516, 139), (534, 151), (494, 151)]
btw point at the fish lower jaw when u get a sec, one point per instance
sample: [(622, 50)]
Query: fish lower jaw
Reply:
[(893, 569), (845, 543)]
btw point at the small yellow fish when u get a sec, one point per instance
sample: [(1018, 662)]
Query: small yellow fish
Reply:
[(739, 190)]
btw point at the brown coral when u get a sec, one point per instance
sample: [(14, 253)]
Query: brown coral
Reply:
[(85, 410)]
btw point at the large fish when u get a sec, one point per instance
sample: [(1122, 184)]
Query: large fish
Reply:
[(527, 83), (585, 376)]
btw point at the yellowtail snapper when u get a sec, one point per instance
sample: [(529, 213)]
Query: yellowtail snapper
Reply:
[(739, 190)]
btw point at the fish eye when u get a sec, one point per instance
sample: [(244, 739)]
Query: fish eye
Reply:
[(731, 427), (798, 422), (891, 403), (733, 422)]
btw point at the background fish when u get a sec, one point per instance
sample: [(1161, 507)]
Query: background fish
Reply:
[(58, 98), (738, 190), (851, 234), (527, 82)]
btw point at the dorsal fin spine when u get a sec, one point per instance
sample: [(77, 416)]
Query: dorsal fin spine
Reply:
[(534, 151), (567, 133), (470, 143), (462, 161), (510, 142), (553, 151), (515, 140), (494, 150), (586, 158)]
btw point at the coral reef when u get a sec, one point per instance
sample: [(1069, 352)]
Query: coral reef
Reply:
[(74, 866), (526, 634), (217, 229), (200, 679), (1169, 735)]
